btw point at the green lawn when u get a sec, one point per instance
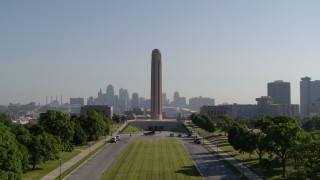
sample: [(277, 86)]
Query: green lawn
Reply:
[(130, 129), (47, 167), (181, 129), (153, 159), (114, 126)]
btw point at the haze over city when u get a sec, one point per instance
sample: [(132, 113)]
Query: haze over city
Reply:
[(226, 50)]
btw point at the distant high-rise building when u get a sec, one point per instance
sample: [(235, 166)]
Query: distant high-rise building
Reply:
[(309, 93), (123, 99), (90, 101), (99, 100), (75, 105), (110, 95), (165, 101), (142, 102), (264, 106), (279, 91), (103, 109), (196, 103), (135, 101), (179, 101), (77, 101), (176, 98)]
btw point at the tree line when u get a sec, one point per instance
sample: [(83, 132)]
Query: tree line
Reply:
[(25, 146), (282, 139)]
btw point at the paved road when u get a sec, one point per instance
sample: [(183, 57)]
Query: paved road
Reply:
[(99, 163), (208, 165)]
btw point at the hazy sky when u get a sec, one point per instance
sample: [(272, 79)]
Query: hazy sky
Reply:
[(227, 50)]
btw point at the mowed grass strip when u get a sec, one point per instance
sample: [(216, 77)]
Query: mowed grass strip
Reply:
[(154, 159), (129, 129)]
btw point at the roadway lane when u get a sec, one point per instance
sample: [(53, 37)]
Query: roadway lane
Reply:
[(99, 163), (208, 166)]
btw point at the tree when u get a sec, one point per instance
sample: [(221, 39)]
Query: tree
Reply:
[(237, 137), (4, 119), (43, 147), (116, 118), (23, 137), (284, 136), (79, 136), (296, 154), (10, 155), (280, 119), (210, 126), (204, 122), (262, 122), (311, 124), (24, 156), (312, 153), (259, 144), (58, 124), (94, 125), (225, 123)]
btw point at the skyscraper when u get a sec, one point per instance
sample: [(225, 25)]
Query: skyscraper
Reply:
[(123, 99), (176, 98), (135, 100), (165, 101), (279, 91), (110, 95), (309, 93), (156, 85)]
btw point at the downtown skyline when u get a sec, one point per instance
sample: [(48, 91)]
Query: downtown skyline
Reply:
[(226, 50)]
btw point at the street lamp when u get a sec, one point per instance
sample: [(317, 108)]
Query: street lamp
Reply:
[(89, 148), (60, 166), (217, 147), (243, 165)]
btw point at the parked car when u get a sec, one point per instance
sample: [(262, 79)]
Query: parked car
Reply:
[(113, 140), (149, 133), (198, 141), (179, 135), (118, 137), (171, 135)]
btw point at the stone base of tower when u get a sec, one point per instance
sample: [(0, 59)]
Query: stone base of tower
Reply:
[(156, 117)]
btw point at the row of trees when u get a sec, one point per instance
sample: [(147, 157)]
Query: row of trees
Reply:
[(310, 124), (24, 145), (281, 138), (203, 122)]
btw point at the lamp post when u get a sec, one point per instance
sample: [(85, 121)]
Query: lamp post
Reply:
[(217, 147), (60, 166), (243, 165), (89, 148)]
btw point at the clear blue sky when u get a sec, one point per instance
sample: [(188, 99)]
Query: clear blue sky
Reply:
[(227, 50)]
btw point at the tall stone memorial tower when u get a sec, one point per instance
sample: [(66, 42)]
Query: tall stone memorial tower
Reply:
[(156, 85)]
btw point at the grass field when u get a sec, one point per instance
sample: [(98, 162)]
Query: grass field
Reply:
[(45, 168), (153, 159), (181, 129), (130, 129)]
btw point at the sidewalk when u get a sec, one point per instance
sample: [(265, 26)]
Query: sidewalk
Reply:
[(55, 173), (238, 165)]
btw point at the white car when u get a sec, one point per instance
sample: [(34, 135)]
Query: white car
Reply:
[(113, 139)]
